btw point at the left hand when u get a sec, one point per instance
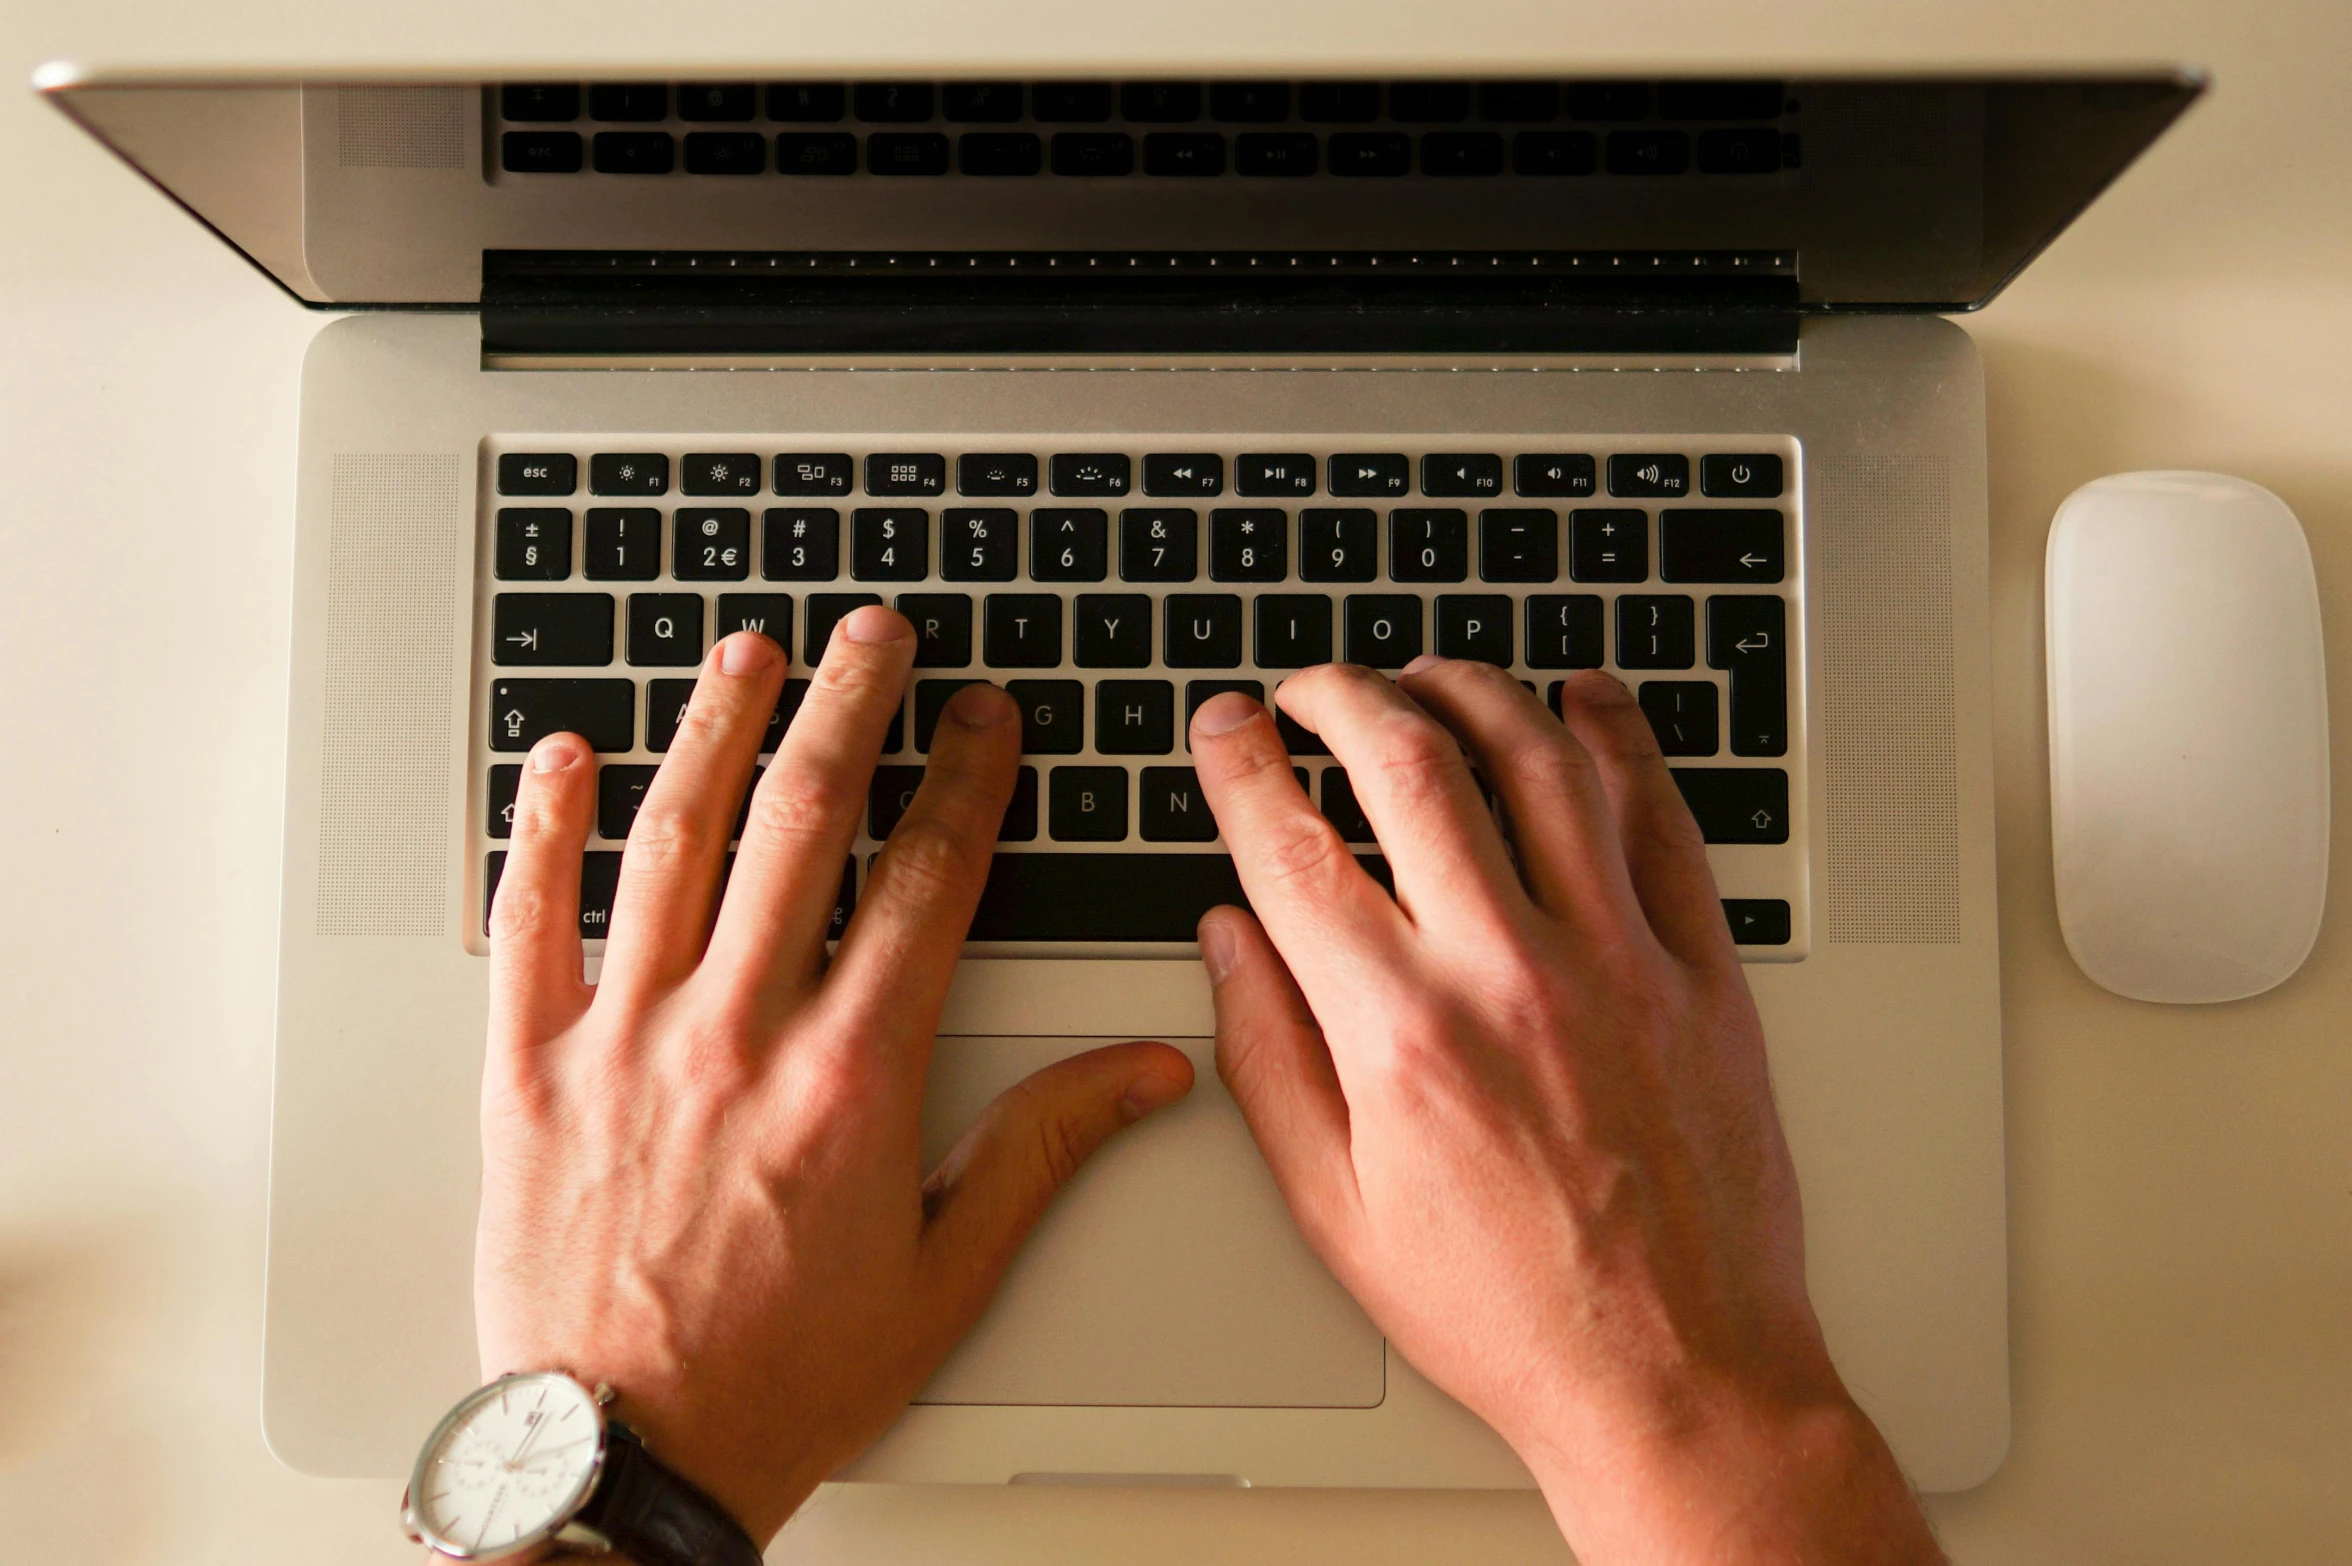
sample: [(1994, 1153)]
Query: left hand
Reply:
[(702, 1177)]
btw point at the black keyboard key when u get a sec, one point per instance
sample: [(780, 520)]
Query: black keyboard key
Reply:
[(943, 628), (807, 103), (1429, 103), (1070, 103), (893, 103), (1020, 817), (1184, 473), (1737, 804), (1462, 473), (629, 473), (931, 699), (1160, 103), (1518, 103), (1564, 631), (1518, 546), (814, 473), (1088, 805), (1089, 473), (712, 102), (1288, 474), (1554, 154), (623, 544), (1249, 103), (540, 152), (1339, 103), (1721, 546), (1093, 154), (1159, 544), (713, 544), (906, 473), (1566, 474), (1684, 714), (891, 794), (1198, 691), (1204, 631), (1170, 807), (1275, 154), (538, 473), (1609, 546), (1249, 545), (665, 630), (625, 102), (1022, 631), (1461, 154), (1428, 545), (523, 712), (620, 793), (1114, 897), (1134, 717), (534, 544), (1370, 154), (1341, 545), (824, 153), (556, 629), (1741, 476), (1293, 630), (997, 473), (1748, 637), (1297, 738), (600, 877), (1648, 152), (506, 780), (825, 611), (1475, 626), (633, 152), (1383, 629), (1371, 473), (1184, 154), (1113, 630), (1341, 810), (720, 473), (1656, 632), (542, 102), (1649, 475), (1608, 100), (726, 152), (1745, 149), (1069, 544), (800, 544), (981, 103), (665, 709), (889, 544), (999, 154), (770, 614), (906, 152), (1757, 921), (1703, 100), (979, 544)]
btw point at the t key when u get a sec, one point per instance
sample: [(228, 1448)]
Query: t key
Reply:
[(552, 628)]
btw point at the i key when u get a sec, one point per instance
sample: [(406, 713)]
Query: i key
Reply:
[(1748, 637)]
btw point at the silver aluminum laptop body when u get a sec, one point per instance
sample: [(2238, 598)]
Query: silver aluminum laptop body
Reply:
[(1166, 1321)]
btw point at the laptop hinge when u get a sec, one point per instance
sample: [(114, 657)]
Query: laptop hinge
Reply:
[(1008, 302)]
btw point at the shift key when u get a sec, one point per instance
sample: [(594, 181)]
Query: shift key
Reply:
[(1737, 804), (603, 712)]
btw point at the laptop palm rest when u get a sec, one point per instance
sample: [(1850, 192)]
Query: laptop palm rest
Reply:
[(1168, 1274)]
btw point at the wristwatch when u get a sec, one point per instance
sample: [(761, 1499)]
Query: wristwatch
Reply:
[(532, 1459)]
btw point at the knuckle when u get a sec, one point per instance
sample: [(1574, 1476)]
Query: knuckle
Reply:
[(521, 910), (664, 837), (852, 671), (929, 855), (792, 806), (1417, 758), (1550, 766), (1299, 848), (1058, 1148)]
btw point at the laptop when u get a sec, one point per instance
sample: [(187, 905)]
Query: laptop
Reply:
[(1127, 392)]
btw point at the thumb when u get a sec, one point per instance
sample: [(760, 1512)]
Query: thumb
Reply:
[(994, 1185)]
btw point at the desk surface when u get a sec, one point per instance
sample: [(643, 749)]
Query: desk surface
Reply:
[(2180, 1180)]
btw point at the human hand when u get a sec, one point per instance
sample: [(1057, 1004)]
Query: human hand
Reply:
[(1524, 1114), (702, 1177)]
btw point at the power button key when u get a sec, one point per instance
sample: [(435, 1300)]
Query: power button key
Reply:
[(1740, 476)]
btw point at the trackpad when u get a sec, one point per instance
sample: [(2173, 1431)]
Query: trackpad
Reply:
[(1168, 1274)]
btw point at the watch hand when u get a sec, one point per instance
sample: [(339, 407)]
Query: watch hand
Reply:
[(544, 1454), (532, 1434)]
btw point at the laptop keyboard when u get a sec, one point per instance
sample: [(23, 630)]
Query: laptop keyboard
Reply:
[(1112, 590)]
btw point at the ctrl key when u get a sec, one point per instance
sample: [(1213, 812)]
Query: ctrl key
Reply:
[(600, 874), (523, 712)]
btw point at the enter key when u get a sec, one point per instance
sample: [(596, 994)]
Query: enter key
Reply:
[(1748, 638)]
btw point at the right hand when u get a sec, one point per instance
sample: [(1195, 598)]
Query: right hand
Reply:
[(1523, 1112)]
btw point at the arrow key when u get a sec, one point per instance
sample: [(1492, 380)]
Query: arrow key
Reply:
[(571, 630)]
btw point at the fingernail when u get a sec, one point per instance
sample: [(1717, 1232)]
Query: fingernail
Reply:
[(1217, 949), (980, 706), (1425, 662), (871, 623), (1147, 1093), (1225, 712), (556, 753), (747, 652)]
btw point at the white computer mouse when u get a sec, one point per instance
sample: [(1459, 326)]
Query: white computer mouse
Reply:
[(2188, 736)]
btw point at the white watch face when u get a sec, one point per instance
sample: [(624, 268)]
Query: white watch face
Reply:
[(508, 1467)]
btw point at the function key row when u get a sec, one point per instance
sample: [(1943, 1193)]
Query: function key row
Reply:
[(1148, 544), (1111, 475)]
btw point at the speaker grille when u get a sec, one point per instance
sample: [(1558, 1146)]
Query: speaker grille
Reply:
[(394, 528), (1885, 526), (400, 127)]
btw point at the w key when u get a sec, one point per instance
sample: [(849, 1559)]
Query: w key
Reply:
[(562, 629)]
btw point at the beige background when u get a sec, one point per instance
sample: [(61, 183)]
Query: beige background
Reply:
[(2181, 1181)]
